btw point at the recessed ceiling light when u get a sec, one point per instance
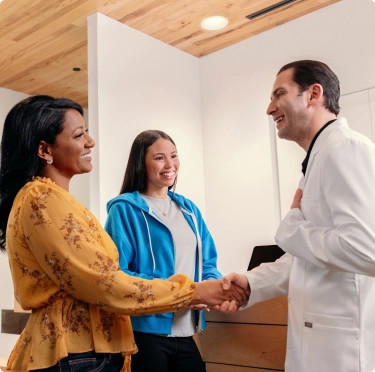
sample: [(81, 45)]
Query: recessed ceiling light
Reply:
[(214, 23)]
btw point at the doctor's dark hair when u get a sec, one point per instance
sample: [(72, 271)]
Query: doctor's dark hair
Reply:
[(34, 119), (135, 178), (308, 72)]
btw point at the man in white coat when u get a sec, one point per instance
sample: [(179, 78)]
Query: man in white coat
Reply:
[(328, 271)]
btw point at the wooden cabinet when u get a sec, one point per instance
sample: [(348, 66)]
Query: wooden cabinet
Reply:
[(251, 340)]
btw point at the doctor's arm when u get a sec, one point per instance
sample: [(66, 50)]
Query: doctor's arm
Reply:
[(266, 281)]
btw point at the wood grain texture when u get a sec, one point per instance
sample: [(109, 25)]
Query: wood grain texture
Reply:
[(41, 41), (12, 322), (247, 345), (251, 340), (274, 311)]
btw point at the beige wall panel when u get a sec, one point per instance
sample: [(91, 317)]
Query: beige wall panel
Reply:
[(274, 311), (261, 346)]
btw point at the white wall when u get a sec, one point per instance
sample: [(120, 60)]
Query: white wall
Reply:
[(137, 83), (359, 109), (236, 86)]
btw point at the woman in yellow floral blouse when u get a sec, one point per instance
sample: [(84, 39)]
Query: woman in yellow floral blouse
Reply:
[(64, 265)]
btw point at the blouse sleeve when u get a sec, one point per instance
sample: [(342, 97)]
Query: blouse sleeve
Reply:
[(73, 253)]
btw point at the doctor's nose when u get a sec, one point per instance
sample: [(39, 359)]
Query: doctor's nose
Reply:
[(271, 108)]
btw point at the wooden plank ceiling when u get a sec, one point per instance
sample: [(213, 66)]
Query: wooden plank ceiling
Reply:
[(41, 41)]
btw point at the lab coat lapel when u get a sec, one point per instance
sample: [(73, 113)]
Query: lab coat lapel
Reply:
[(321, 141)]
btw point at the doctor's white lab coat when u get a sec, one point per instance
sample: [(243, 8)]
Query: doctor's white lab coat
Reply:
[(328, 271)]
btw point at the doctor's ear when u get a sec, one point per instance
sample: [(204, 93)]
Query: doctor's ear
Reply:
[(316, 93)]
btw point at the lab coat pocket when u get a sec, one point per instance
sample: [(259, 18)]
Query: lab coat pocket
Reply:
[(329, 343)]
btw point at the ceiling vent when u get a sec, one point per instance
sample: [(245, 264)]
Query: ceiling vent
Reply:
[(269, 9)]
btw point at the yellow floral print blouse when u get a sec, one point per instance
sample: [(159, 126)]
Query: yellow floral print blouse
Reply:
[(65, 269)]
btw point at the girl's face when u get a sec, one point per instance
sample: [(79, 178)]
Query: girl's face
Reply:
[(162, 166)]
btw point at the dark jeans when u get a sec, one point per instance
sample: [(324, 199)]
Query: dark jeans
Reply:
[(166, 354), (87, 362)]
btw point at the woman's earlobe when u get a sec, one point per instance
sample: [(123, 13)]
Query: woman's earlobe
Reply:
[(43, 152)]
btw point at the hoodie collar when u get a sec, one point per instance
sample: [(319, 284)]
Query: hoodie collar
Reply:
[(135, 199)]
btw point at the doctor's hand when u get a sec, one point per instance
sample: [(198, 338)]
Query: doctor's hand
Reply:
[(212, 293), (217, 294), (238, 281), (297, 199)]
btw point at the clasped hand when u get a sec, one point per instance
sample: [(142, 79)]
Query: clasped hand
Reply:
[(226, 295)]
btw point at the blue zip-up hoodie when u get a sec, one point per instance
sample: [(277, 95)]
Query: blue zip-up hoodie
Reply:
[(146, 248)]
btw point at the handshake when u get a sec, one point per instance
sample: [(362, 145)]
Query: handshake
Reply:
[(225, 295)]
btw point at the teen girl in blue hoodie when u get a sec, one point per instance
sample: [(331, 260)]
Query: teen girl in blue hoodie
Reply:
[(159, 233)]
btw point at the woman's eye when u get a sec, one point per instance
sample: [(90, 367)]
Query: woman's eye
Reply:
[(81, 134)]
